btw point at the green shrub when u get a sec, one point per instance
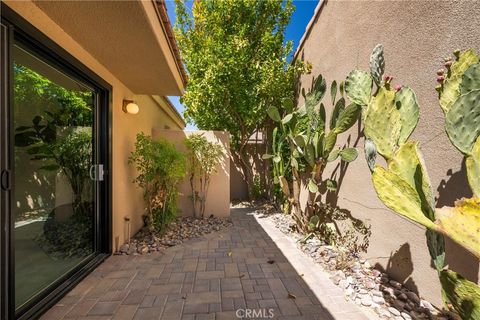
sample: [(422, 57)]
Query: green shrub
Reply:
[(160, 168), (204, 158)]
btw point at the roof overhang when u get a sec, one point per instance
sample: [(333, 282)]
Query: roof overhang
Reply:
[(132, 39)]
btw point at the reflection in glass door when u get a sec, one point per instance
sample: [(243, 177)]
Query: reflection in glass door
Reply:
[(54, 195)]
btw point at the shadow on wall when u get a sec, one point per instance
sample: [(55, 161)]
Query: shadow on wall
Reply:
[(400, 266), (451, 189)]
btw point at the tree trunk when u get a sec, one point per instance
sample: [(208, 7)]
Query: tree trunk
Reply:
[(247, 171)]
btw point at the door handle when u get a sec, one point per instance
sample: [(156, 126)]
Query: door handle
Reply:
[(96, 172), (5, 180)]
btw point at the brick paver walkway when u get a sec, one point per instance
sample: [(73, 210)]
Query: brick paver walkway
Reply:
[(219, 276)]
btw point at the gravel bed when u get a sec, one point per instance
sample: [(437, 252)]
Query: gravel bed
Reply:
[(362, 284), (179, 230)]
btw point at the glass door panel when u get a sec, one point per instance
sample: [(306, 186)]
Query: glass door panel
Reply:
[(54, 195)]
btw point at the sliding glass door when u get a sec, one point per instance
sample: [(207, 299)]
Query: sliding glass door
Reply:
[(54, 180), (54, 197)]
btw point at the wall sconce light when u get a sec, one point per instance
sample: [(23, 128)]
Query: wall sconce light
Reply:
[(129, 106)]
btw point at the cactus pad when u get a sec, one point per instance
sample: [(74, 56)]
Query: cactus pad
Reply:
[(358, 86), (462, 121), (348, 154), (330, 141), (473, 168), (464, 295), (313, 97), (347, 118), (377, 64), (339, 106), (383, 123), (407, 105), (461, 223), (274, 114), (408, 164), (451, 88), (471, 79), (398, 195)]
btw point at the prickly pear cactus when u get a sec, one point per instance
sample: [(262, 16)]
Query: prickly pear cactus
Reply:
[(462, 121), (473, 168), (450, 83), (377, 64), (464, 295), (460, 100), (382, 122), (461, 223), (407, 105), (471, 79), (389, 120), (358, 86)]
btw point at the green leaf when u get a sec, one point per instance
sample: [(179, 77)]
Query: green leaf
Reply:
[(333, 91), (312, 186), (313, 97), (348, 154), (342, 88), (331, 185), (330, 141), (333, 155), (322, 117), (273, 114), (300, 140), (339, 107), (463, 294), (288, 105), (313, 222), (267, 156), (287, 118), (347, 118)]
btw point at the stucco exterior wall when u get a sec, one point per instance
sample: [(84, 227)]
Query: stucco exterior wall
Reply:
[(127, 200), (218, 198), (417, 36)]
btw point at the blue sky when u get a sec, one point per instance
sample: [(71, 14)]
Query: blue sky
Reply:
[(300, 18)]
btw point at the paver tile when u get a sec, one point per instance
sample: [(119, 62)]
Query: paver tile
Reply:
[(201, 280)]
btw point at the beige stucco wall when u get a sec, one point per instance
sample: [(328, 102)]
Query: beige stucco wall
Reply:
[(154, 112), (218, 198), (417, 36)]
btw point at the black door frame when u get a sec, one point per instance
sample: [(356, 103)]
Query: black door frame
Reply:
[(14, 27)]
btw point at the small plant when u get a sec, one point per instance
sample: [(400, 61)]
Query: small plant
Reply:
[(160, 168), (256, 192), (390, 117), (204, 158), (311, 143)]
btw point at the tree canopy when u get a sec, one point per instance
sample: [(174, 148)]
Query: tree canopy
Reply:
[(237, 61)]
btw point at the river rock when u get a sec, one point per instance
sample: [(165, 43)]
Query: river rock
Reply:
[(413, 297), (394, 311)]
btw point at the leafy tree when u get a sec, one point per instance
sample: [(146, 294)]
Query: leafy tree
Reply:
[(160, 168), (236, 58), (204, 158)]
